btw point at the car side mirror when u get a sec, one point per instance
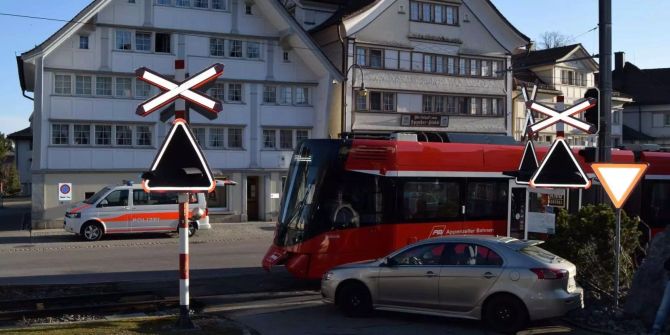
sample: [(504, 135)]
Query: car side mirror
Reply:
[(103, 203)]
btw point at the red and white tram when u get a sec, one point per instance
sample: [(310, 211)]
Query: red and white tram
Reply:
[(355, 199)]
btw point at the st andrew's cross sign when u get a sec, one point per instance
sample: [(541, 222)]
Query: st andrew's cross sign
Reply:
[(184, 90)]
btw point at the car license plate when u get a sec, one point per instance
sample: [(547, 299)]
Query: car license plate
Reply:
[(571, 284)]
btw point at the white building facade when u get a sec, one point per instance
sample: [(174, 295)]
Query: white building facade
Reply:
[(277, 89), (566, 71), (422, 66)]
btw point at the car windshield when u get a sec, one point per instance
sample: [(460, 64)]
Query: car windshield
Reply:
[(94, 198), (541, 254)]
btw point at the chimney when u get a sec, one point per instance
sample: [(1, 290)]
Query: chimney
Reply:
[(619, 60)]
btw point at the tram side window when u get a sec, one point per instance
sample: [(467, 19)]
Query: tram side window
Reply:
[(431, 200), (354, 200), (363, 193), (486, 200), (658, 209)]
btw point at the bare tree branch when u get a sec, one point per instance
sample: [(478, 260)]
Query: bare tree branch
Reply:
[(553, 39)]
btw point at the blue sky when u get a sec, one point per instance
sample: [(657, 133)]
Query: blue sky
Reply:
[(639, 28)]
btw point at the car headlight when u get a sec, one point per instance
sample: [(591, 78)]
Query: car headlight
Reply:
[(328, 275), (73, 215)]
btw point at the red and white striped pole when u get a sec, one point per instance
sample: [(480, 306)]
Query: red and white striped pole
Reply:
[(184, 321)]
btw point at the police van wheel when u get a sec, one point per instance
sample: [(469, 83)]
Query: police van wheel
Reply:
[(192, 228), (91, 231)]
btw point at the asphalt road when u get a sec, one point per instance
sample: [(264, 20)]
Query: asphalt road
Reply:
[(310, 316), (57, 257)]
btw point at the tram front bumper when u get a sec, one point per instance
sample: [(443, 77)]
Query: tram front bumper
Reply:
[(274, 256)]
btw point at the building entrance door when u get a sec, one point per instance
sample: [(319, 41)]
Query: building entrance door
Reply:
[(252, 198)]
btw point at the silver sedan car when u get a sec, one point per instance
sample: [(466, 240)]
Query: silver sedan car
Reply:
[(501, 280)]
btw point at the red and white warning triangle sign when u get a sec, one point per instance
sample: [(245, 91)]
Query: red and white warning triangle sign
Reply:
[(560, 168), (528, 164), (180, 164), (619, 180)]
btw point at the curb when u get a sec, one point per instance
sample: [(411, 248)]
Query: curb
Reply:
[(591, 329)]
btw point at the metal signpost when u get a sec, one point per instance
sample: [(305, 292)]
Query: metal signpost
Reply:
[(618, 180), (180, 164)]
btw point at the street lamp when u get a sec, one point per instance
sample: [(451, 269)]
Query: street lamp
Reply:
[(362, 91)]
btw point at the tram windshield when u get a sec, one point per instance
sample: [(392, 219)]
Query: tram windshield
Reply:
[(312, 163)]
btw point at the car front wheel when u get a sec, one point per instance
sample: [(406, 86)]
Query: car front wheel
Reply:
[(505, 314), (91, 231), (354, 300)]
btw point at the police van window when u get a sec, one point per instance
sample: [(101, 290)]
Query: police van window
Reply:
[(141, 198), (116, 198), (168, 198)]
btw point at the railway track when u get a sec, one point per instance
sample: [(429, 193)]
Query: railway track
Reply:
[(84, 304)]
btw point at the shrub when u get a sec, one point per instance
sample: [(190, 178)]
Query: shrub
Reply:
[(587, 239)]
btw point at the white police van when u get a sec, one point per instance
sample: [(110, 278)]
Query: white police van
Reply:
[(129, 209)]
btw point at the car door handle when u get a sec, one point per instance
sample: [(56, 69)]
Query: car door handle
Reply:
[(488, 275), (431, 274)]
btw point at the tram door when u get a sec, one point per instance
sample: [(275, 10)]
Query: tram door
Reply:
[(518, 202), (534, 211)]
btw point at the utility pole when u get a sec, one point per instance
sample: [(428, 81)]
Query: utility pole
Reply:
[(605, 82)]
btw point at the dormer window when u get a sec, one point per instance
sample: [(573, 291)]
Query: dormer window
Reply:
[(569, 77), (433, 13)]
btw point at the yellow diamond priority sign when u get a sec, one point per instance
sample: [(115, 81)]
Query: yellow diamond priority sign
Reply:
[(619, 180)]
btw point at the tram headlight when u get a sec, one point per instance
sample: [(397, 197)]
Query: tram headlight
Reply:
[(328, 276)]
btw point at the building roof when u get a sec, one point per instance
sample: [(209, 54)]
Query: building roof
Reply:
[(77, 20), (543, 57), (629, 134), (22, 134), (646, 87), (350, 8), (345, 9)]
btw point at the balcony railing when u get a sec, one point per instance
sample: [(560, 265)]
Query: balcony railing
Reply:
[(518, 83)]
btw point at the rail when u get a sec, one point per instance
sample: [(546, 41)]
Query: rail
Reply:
[(17, 309)]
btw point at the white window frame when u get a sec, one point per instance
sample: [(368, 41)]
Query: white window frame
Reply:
[(144, 33), (138, 136), (212, 131), (228, 134), (111, 135), (90, 85), (84, 40), (117, 35), (125, 94), (75, 132), (63, 89), (228, 88), (67, 134)]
